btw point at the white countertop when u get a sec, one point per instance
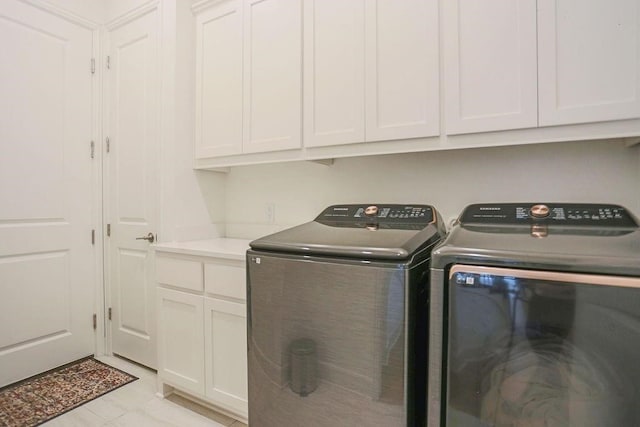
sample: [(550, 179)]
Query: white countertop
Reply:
[(218, 248)]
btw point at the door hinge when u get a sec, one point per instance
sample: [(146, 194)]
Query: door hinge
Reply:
[(109, 313), (108, 144), (108, 62), (93, 237), (93, 65), (95, 321), (93, 149), (108, 230)]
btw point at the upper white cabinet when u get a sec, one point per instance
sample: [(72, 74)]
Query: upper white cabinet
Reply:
[(248, 76), (285, 80), (371, 71), (589, 60), (526, 63), (333, 72), (272, 75), (402, 87), (490, 78), (219, 80)]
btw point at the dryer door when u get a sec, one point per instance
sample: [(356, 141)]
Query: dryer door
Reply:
[(541, 348)]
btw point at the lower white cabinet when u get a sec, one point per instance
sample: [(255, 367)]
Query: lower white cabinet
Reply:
[(225, 349), (180, 342), (202, 329)]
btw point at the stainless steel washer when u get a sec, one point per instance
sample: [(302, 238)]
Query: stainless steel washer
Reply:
[(536, 317), (337, 315)]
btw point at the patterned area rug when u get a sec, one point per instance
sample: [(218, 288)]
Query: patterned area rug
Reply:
[(38, 399)]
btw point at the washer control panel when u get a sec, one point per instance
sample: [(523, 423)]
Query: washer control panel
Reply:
[(597, 215), (382, 216)]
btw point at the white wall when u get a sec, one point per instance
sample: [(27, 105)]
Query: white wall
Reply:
[(192, 202), (116, 8), (93, 10), (99, 11), (605, 172)]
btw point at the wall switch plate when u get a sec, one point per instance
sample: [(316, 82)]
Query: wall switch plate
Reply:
[(270, 213)]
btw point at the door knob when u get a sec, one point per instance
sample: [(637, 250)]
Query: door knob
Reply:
[(149, 237)]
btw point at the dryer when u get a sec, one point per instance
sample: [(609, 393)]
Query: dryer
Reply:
[(535, 317), (337, 318)]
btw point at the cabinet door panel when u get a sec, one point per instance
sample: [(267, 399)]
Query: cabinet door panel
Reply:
[(402, 69), (490, 79), (272, 75), (180, 339), (219, 80), (589, 60), (334, 72), (226, 354)]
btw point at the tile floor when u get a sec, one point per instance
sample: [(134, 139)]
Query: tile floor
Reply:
[(137, 405)]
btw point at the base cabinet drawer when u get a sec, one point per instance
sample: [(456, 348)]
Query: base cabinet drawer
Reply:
[(225, 280), (181, 273)]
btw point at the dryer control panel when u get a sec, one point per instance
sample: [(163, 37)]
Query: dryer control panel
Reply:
[(566, 214)]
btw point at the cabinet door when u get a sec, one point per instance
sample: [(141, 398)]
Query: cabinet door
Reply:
[(180, 339), (589, 60), (219, 80), (402, 89), (489, 65), (333, 72), (226, 354), (272, 75)]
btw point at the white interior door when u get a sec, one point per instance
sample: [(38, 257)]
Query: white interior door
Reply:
[(132, 185), (47, 260)]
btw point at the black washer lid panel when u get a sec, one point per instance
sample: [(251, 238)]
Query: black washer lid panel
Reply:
[(551, 214), (352, 236), (599, 254), (401, 217), (590, 238)]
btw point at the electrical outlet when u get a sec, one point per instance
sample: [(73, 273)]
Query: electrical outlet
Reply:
[(270, 213)]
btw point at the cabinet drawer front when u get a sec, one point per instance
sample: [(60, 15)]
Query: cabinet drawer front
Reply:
[(180, 273), (225, 280)]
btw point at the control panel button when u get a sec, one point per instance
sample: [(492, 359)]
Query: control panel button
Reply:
[(371, 210), (539, 211)]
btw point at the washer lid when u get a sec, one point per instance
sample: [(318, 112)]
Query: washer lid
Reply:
[(366, 231), (588, 238)]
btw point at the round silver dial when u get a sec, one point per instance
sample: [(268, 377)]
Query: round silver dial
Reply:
[(539, 211)]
